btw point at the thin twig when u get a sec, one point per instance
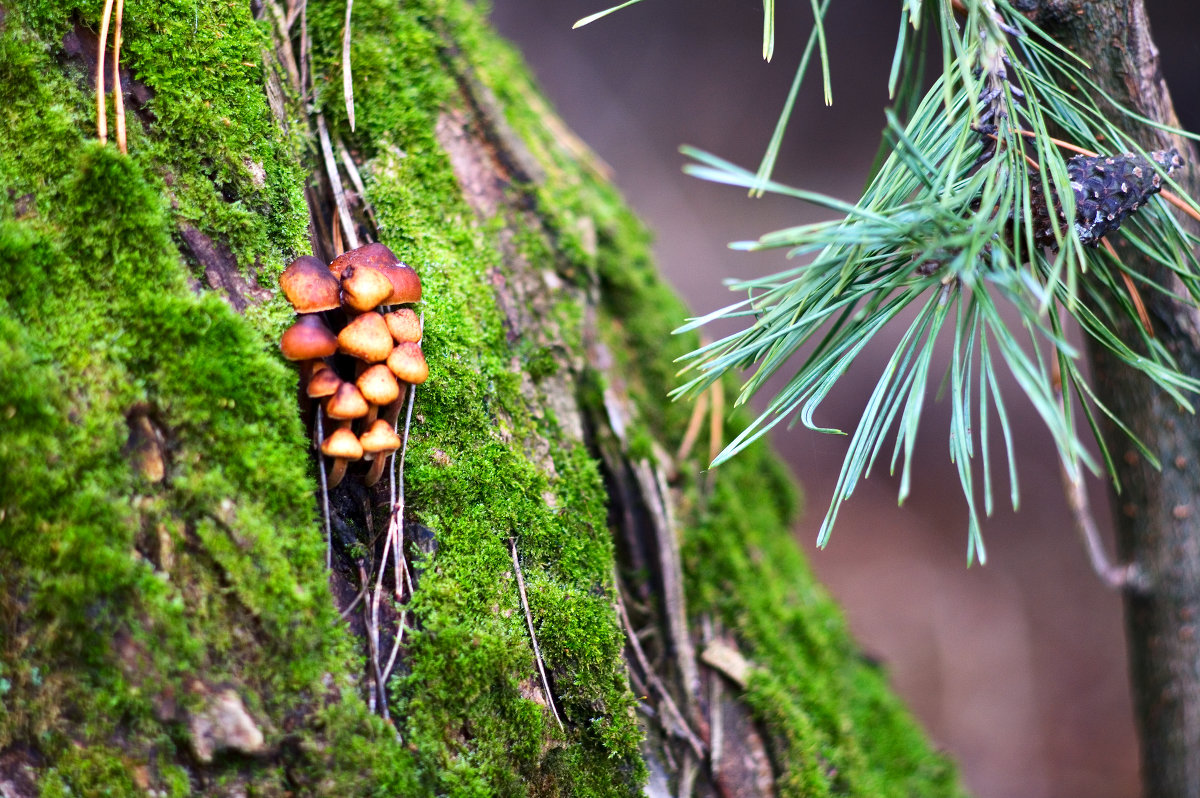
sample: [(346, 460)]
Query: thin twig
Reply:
[(1114, 576), (537, 654), (347, 79), (335, 182), (118, 94), (293, 12), (350, 607), (101, 111), (324, 492), (716, 710), (305, 51), (687, 776), (671, 575), (681, 726), (284, 45), (372, 647)]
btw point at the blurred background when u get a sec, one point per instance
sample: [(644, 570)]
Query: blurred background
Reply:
[(1017, 668)]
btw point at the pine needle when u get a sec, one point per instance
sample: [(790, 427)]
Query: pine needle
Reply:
[(601, 14)]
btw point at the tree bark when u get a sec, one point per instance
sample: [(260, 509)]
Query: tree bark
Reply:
[(167, 621), (1158, 522)]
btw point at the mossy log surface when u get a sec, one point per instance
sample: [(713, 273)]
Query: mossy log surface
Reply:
[(167, 622)]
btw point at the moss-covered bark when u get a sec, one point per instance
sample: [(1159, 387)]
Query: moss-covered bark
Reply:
[(163, 596)]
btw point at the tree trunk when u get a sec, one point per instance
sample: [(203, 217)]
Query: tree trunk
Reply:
[(1157, 511), (167, 620)]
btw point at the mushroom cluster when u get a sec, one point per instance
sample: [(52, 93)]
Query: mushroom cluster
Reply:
[(357, 351)]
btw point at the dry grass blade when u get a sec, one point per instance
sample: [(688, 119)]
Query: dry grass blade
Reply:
[(693, 428), (118, 94), (716, 429), (101, 111), (347, 79), (537, 653), (335, 182), (356, 180)]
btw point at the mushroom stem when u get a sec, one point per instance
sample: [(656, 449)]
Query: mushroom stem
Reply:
[(391, 413), (376, 470), (337, 472)]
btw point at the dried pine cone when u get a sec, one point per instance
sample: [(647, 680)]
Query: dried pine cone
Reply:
[(1107, 189)]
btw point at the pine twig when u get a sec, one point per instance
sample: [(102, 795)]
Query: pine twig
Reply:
[(537, 654), (1114, 576)]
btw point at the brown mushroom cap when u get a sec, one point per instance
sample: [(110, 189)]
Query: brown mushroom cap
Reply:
[(407, 362), (343, 444), (310, 286), (309, 339), (380, 437), (404, 325), (364, 287), (323, 382), (406, 285), (366, 338), (346, 402), (373, 255), (378, 385)]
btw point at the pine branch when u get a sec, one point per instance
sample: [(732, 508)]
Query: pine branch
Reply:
[(974, 208)]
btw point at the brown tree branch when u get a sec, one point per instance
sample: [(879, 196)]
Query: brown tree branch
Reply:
[(1158, 526)]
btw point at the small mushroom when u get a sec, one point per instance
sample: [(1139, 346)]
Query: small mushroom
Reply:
[(407, 362), (373, 255), (309, 339), (406, 285), (378, 386), (310, 286), (364, 288), (366, 337), (378, 441), (346, 402), (404, 325), (323, 382), (343, 446)]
